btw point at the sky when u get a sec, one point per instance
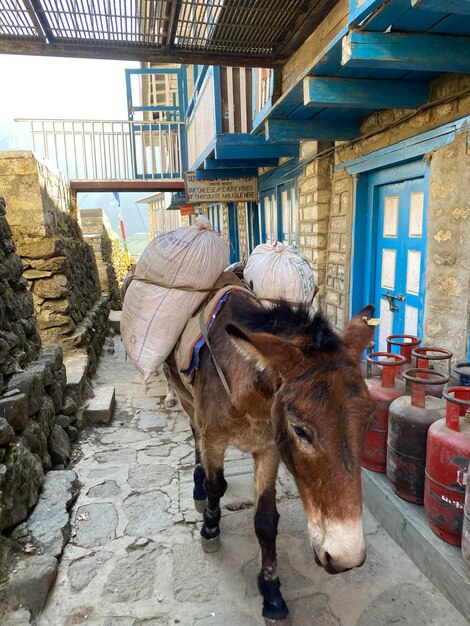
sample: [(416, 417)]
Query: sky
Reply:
[(64, 88)]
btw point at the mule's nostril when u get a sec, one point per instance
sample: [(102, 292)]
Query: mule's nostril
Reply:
[(328, 558)]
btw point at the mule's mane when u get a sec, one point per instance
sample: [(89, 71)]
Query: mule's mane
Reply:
[(288, 322)]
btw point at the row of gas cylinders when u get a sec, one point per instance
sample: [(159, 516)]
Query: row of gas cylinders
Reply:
[(420, 434)]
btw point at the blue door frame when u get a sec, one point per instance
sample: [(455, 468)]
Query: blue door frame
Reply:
[(233, 232), (365, 230)]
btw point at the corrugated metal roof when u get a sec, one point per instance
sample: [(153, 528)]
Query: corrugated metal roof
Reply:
[(263, 31)]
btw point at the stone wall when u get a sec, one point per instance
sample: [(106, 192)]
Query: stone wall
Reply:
[(110, 259), (242, 232), (59, 266), (314, 211), (447, 303), (37, 416)]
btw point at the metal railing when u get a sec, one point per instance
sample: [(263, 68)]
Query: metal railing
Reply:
[(110, 149)]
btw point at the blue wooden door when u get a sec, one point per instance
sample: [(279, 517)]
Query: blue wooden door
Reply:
[(399, 268)]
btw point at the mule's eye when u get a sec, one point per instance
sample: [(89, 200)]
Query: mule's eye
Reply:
[(302, 434)]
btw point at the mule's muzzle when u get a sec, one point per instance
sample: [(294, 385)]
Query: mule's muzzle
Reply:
[(334, 566)]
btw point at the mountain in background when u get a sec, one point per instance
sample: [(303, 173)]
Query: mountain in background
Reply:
[(137, 244)]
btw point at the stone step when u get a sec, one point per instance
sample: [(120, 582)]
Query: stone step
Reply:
[(115, 320), (100, 408), (76, 365), (407, 524)]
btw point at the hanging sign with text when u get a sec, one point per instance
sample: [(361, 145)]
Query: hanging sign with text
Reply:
[(187, 209), (220, 189)]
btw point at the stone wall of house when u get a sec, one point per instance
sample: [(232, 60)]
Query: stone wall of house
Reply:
[(447, 303), (110, 259), (242, 232), (314, 195), (38, 416), (332, 261), (59, 265)]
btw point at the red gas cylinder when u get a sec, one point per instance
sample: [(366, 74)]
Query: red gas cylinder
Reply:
[(409, 419), (427, 358), (384, 390), (447, 459), (463, 372), (466, 526), (405, 344)]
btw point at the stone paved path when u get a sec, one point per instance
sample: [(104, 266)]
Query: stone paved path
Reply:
[(135, 558)]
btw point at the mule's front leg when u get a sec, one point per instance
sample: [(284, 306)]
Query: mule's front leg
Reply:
[(199, 492), (266, 521), (214, 486)]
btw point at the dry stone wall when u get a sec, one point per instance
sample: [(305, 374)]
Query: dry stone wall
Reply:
[(59, 265), (38, 417)]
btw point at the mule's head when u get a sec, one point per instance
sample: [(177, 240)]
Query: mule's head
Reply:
[(320, 414)]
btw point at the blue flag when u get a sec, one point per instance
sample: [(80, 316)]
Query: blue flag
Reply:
[(116, 195)]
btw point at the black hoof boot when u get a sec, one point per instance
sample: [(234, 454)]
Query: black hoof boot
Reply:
[(274, 607)]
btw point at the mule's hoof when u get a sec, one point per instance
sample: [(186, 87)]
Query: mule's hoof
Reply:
[(200, 505), (210, 545), (170, 402), (276, 622)]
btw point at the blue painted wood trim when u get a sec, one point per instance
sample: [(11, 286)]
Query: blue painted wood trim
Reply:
[(217, 100), (224, 173), (358, 10), (233, 232), (290, 170), (277, 130), (227, 151), (130, 115), (460, 7), (212, 164), (207, 152), (198, 83), (364, 230), (407, 149), (257, 126), (406, 51), (363, 93)]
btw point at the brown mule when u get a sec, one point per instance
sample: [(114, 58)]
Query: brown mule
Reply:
[(297, 394)]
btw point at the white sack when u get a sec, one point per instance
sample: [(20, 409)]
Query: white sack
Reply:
[(280, 271), (153, 314)]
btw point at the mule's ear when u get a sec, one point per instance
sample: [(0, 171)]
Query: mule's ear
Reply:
[(358, 333), (266, 350)]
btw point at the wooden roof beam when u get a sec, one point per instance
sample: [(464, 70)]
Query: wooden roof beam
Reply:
[(239, 172), (212, 164), (357, 93), (278, 130), (406, 51), (126, 185), (41, 18), (91, 50), (459, 7), (172, 23)]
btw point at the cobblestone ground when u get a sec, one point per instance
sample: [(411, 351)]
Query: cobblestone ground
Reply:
[(134, 557)]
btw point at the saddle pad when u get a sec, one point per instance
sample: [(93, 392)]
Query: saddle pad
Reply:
[(191, 340)]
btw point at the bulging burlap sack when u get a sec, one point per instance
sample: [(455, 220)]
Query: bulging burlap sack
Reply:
[(156, 308), (279, 271)]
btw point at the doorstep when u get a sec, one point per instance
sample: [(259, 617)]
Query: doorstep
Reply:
[(407, 524)]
